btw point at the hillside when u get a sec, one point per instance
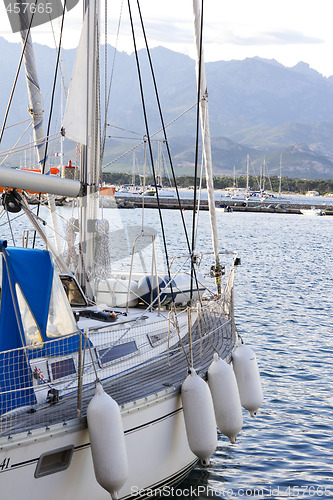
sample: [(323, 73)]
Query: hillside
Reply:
[(257, 107)]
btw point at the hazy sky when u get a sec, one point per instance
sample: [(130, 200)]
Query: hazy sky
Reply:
[(286, 30)]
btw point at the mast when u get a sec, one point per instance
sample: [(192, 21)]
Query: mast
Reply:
[(62, 138), (206, 139), (90, 153), (247, 173), (36, 111), (133, 170), (81, 124), (280, 180)]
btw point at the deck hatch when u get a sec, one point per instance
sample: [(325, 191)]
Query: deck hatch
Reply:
[(117, 352), (54, 461), (62, 368)]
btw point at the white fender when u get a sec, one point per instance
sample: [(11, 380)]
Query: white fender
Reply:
[(223, 386), (248, 378), (199, 417), (107, 442)]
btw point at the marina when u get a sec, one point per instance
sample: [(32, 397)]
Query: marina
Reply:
[(292, 206)]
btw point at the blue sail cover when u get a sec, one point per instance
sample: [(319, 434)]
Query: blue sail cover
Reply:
[(33, 271)]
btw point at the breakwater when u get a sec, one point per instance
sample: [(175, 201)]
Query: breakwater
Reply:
[(171, 203)]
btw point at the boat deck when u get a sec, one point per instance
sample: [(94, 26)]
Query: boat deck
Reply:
[(212, 331)]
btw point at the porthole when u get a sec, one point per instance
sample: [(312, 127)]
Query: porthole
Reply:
[(54, 461)]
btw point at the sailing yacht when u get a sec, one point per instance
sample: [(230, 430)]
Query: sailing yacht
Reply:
[(103, 374)]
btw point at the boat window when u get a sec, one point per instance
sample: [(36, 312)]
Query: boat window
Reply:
[(110, 354), (54, 461), (74, 293), (62, 368), (61, 320), (31, 331)]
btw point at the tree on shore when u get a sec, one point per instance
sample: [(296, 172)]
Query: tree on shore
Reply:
[(299, 186)]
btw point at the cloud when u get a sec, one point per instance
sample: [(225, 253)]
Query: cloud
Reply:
[(283, 37), (171, 32)]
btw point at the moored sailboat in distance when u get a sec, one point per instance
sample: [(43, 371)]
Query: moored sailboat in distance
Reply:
[(98, 365), (259, 193)]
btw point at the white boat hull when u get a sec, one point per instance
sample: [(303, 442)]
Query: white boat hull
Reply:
[(312, 212), (155, 436)]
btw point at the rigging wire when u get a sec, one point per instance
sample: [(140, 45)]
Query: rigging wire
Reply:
[(18, 123), (123, 129), (168, 151), (10, 227), (163, 126), (52, 101), (54, 85), (18, 140), (150, 146), (62, 70), (29, 145), (17, 74), (170, 161), (152, 135), (193, 271)]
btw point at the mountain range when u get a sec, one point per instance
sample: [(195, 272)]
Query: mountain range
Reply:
[(257, 107)]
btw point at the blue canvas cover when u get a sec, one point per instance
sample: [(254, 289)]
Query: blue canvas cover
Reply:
[(33, 271)]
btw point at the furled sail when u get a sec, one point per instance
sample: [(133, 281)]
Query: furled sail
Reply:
[(36, 111), (75, 117), (35, 101)]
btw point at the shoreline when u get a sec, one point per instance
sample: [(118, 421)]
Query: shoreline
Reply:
[(268, 206)]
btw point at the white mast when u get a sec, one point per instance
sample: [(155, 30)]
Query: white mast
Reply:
[(82, 124), (247, 173), (62, 138), (90, 155), (206, 135), (280, 181)]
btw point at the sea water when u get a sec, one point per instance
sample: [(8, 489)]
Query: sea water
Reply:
[(283, 308)]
